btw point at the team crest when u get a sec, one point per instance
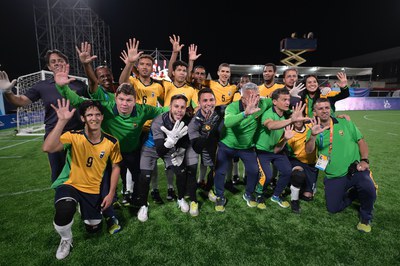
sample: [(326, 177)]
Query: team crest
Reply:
[(102, 154), (134, 125), (229, 93), (207, 127), (341, 133), (152, 94)]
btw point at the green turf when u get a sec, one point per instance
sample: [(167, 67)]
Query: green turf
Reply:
[(240, 236)]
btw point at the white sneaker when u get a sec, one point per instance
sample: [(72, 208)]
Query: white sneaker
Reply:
[(142, 213), (64, 248), (211, 196), (183, 205), (194, 208)]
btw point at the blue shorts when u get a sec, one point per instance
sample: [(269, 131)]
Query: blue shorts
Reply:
[(89, 204)]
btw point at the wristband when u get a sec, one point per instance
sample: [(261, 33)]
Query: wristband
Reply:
[(364, 160), (244, 115)]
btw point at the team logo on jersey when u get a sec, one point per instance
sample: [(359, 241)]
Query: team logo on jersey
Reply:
[(134, 125), (341, 133), (102, 154), (152, 94), (229, 93)]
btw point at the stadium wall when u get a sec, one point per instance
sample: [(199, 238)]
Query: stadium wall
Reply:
[(368, 103)]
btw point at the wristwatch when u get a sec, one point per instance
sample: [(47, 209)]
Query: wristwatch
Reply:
[(365, 160)]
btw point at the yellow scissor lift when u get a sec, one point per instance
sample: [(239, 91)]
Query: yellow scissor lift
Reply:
[(294, 48)]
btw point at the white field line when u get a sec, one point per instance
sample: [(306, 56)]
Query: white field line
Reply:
[(394, 134), (24, 192), (366, 117), (20, 143)]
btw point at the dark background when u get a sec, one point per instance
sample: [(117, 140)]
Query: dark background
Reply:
[(245, 33)]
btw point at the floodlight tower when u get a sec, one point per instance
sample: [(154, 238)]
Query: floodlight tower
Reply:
[(63, 24), (294, 48)]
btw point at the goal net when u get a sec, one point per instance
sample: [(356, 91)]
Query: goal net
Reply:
[(30, 118)]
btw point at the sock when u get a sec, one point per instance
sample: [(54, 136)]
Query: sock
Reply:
[(64, 231), (294, 192), (154, 178), (129, 181)]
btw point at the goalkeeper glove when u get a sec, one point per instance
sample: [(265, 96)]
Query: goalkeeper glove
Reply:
[(178, 156), (5, 84)]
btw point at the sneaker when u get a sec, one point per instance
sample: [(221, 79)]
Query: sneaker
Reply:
[(220, 204), (295, 204), (235, 179), (64, 248), (261, 202), (171, 194), (155, 194), (194, 208), (283, 204), (251, 202), (364, 226), (142, 213), (305, 198), (183, 205), (211, 196), (113, 226), (126, 199)]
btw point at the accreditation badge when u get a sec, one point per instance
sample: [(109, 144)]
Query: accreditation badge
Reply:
[(322, 162)]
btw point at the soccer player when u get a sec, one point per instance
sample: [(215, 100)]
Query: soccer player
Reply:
[(269, 85), (343, 156), (90, 150), (168, 140), (304, 173), (47, 92), (240, 124), (273, 122), (148, 90), (123, 118), (204, 134)]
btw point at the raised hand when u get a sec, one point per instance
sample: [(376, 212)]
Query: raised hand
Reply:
[(252, 104), (175, 41), (342, 77), (61, 78), (124, 57), (63, 112), (317, 127), (297, 113), (85, 53), (178, 131), (289, 132), (131, 53), (294, 92), (193, 53), (5, 84)]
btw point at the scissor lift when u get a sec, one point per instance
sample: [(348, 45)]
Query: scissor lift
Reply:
[(294, 48)]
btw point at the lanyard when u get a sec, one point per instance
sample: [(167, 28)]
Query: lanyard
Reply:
[(321, 139)]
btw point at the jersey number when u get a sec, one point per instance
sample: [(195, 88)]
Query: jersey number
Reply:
[(223, 97), (144, 99), (89, 162)]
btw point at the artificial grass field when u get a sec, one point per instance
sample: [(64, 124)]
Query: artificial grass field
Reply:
[(239, 236)]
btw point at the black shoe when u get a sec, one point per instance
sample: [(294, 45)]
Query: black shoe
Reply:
[(305, 198), (230, 187), (126, 199), (155, 194), (171, 194), (235, 179), (295, 204)]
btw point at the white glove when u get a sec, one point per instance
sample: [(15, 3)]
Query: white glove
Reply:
[(178, 131), (325, 90), (294, 92), (178, 156), (5, 84)]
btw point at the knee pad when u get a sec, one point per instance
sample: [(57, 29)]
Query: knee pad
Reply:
[(298, 178), (65, 210), (93, 226)]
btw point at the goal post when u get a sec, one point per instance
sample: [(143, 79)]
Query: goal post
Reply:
[(30, 118)]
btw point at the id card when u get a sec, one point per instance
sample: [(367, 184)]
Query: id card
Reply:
[(322, 162)]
